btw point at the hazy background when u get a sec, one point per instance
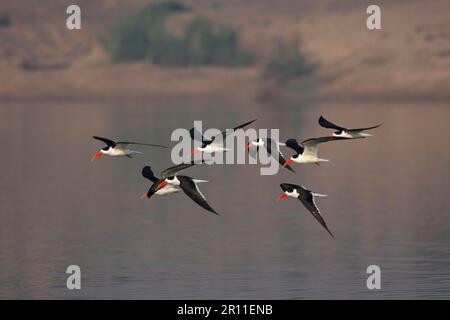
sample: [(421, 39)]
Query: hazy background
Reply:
[(136, 71)]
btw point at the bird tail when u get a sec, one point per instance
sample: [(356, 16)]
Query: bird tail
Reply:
[(319, 194), (364, 134), (199, 181)]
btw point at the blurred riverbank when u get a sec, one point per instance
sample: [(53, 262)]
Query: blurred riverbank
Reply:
[(407, 59)]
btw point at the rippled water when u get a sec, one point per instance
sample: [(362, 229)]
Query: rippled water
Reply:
[(387, 204)]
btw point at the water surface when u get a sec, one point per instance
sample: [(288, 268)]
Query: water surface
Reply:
[(387, 204)]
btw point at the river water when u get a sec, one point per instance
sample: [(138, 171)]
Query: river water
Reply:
[(387, 204)]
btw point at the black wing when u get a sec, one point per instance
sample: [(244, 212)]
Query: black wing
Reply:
[(307, 198), (293, 144), (329, 125), (196, 135), (190, 188), (142, 144), (109, 143), (243, 125), (148, 173), (281, 159), (226, 132), (174, 169), (362, 129), (315, 141)]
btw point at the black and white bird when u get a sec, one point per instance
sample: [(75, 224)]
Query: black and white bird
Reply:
[(272, 147), (307, 199), (119, 148), (213, 144), (170, 183), (307, 150), (345, 132)]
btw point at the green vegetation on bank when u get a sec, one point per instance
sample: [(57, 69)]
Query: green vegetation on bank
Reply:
[(286, 62), (201, 42), (144, 36)]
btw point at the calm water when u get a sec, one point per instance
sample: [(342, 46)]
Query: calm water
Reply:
[(387, 204)]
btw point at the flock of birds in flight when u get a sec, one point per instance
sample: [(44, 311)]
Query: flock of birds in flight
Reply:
[(171, 182)]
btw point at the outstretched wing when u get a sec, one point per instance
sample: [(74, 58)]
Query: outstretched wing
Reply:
[(307, 198), (330, 125), (293, 144), (197, 136), (273, 148), (191, 189), (126, 143), (311, 145), (362, 129), (148, 173), (174, 169), (227, 132), (282, 161), (109, 143)]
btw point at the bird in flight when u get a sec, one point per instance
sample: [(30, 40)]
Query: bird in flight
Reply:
[(306, 197), (272, 147), (213, 144), (345, 132), (119, 148), (307, 150), (170, 182)]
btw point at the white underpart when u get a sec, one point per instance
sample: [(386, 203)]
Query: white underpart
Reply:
[(168, 189), (352, 135), (174, 181), (212, 148), (172, 186), (308, 158), (119, 152), (293, 194), (309, 154)]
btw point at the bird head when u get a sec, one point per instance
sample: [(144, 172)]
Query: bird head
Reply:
[(287, 188), (99, 154)]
